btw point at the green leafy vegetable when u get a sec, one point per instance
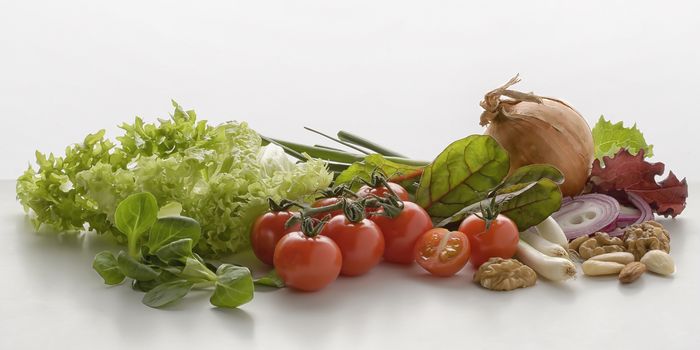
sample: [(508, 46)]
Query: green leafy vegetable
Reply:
[(135, 269), (534, 205), (196, 271), (106, 265), (234, 286), (221, 176), (609, 138), (172, 228), (533, 172), (134, 216), (167, 293), (363, 170), (170, 209), (178, 250), (271, 279), (464, 173)]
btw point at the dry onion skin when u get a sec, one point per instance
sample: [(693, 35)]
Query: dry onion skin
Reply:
[(540, 130)]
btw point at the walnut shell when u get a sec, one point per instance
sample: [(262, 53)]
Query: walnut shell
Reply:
[(505, 274), (599, 244), (649, 235)]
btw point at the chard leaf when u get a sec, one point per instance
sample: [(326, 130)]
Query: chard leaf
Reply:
[(464, 173), (134, 269), (532, 173), (172, 228), (372, 162), (610, 138), (271, 279), (234, 286), (195, 271), (167, 293), (179, 250), (134, 216), (106, 265), (532, 206)]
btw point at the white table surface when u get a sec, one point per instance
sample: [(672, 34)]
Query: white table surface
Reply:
[(52, 299)]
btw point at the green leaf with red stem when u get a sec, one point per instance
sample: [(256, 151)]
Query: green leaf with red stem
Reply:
[(464, 173), (364, 169)]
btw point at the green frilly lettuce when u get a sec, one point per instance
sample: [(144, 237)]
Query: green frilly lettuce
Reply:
[(221, 175)]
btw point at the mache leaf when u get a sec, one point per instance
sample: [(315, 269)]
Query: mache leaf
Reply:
[(234, 286), (134, 269), (172, 228), (271, 279), (178, 250), (464, 173), (134, 216), (166, 293), (106, 265)]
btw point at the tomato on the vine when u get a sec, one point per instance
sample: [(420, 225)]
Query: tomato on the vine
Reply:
[(324, 202), (441, 252), (402, 232), (267, 231), (307, 263), (500, 239), (366, 190), (361, 243)]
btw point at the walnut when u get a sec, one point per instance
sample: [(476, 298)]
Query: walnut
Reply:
[(649, 235), (600, 243), (505, 274)]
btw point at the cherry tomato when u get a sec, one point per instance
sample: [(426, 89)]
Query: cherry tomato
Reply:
[(361, 243), (402, 232), (441, 252), (267, 231), (323, 202), (307, 263), (401, 192), (500, 240)]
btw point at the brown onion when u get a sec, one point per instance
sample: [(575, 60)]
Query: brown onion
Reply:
[(535, 130)]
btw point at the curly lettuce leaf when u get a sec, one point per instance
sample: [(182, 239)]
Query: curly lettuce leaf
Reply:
[(221, 175), (627, 173), (609, 138)]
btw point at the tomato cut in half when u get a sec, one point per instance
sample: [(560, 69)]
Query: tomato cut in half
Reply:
[(307, 263), (441, 252)]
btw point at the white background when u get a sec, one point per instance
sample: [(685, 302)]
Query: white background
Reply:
[(408, 74)]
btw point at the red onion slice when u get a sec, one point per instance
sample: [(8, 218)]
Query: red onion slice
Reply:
[(587, 214), (646, 213)]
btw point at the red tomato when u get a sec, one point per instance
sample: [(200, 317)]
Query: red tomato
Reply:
[(441, 252), (307, 263), (501, 239), (361, 244), (382, 191), (326, 202), (267, 231), (402, 232)]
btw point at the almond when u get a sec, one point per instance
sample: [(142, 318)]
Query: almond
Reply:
[(631, 272)]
